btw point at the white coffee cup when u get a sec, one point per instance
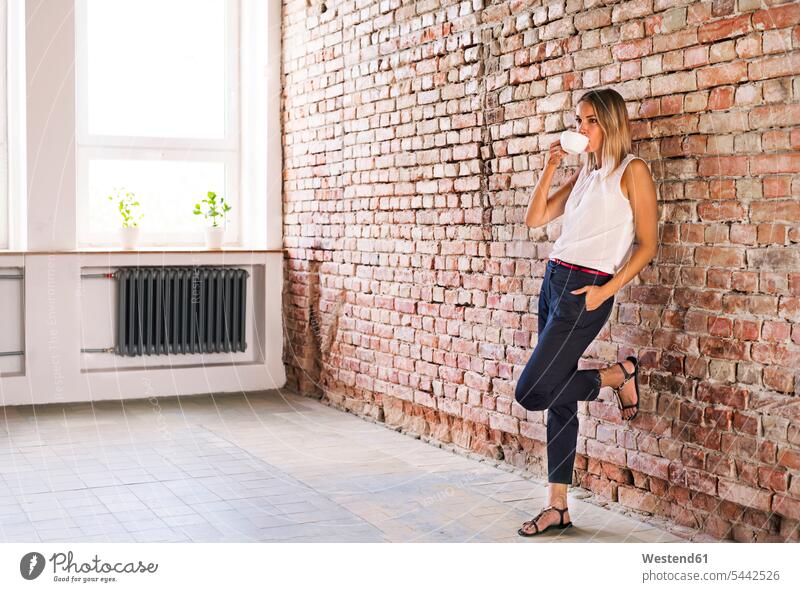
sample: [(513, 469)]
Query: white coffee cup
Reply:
[(573, 142)]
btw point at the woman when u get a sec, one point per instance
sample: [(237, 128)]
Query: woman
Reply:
[(605, 204)]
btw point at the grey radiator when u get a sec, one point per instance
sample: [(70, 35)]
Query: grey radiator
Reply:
[(180, 310)]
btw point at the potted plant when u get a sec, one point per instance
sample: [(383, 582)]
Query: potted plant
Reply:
[(215, 209), (127, 205)]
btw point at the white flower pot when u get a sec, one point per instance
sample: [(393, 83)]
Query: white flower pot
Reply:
[(129, 237), (214, 236)]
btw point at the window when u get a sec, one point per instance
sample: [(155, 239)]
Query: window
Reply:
[(158, 114), (12, 125), (4, 177)]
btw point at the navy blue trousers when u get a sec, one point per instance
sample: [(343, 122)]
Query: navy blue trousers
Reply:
[(551, 379)]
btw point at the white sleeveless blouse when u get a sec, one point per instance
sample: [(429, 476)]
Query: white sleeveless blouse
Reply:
[(597, 228)]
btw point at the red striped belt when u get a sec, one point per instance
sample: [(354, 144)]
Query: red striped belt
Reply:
[(586, 269)]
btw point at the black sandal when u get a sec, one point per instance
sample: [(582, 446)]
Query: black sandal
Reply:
[(560, 525), (635, 376)]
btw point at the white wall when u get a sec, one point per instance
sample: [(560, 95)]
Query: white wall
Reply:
[(58, 314), (52, 313)]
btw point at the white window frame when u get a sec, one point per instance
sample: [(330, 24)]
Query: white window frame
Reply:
[(6, 51), (13, 203), (226, 150), (16, 113)]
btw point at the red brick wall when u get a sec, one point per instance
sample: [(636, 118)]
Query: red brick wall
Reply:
[(413, 137)]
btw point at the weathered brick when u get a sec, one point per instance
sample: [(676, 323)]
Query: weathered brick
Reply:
[(722, 28), (720, 256), (743, 495), (721, 210), (777, 17), (637, 499), (786, 506), (649, 464), (723, 395), (729, 349), (773, 479), (789, 458), (729, 73), (775, 331)]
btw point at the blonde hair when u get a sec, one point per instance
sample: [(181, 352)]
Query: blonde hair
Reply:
[(612, 117)]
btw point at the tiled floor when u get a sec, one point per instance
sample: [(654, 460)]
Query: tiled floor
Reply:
[(265, 467)]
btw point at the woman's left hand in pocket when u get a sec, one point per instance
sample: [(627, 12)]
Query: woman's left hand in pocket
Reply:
[(595, 296)]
